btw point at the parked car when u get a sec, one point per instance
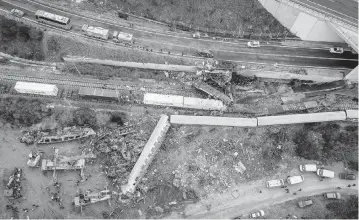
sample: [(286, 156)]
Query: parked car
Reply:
[(274, 183), (206, 54), (332, 195), (257, 214), (295, 179), (17, 12), (338, 50), (308, 167), (347, 176), (325, 173), (305, 203), (253, 43)]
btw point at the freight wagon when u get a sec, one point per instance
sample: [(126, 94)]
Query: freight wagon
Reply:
[(36, 88), (98, 94), (97, 32)]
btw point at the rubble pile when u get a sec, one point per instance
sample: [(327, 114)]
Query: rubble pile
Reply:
[(124, 146), (13, 187)]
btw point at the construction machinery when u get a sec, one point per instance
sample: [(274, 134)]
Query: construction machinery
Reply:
[(89, 197), (34, 158)]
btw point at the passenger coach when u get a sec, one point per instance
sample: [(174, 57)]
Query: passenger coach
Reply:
[(53, 19)]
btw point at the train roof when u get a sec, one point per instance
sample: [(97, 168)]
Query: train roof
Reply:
[(52, 16), (35, 86), (97, 30), (125, 36), (84, 91)]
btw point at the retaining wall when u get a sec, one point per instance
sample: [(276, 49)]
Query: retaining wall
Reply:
[(153, 66)]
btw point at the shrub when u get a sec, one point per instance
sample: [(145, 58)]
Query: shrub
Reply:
[(85, 116)]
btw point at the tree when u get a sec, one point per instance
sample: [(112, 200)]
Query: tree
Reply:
[(85, 116)]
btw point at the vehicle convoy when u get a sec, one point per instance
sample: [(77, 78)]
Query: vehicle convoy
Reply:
[(338, 50), (295, 179), (257, 214), (122, 37), (275, 183), (347, 176), (325, 173), (305, 203), (17, 12), (97, 32), (308, 168), (53, 19), (253, 44), (332, 195)]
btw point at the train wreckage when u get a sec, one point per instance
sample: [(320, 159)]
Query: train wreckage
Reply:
[(66, 134)]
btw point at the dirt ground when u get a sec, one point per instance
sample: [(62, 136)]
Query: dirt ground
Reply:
[(316, 211), (248, 15), (14, 154)]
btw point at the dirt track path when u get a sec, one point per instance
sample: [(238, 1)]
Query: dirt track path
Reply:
[(241, 200)]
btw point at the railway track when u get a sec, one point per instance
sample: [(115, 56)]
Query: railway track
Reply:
[(125, 87)]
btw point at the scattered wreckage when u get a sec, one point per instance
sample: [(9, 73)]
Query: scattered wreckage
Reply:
[(13, 187), (66, 134)]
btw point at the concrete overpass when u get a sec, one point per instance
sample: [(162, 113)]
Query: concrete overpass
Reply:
[(319, 20)]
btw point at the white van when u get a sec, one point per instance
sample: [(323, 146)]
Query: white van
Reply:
[(325, 173), (308, 167), (274, 183), (295, 179), (253, 43)]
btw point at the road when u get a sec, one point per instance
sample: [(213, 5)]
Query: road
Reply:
[(346, 10), (268, 53), (245, 198)]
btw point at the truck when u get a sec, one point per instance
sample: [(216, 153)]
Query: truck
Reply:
[(332, 195), (97, 32), (325, 173), (122, 37), (295, 179), (308, 167), (275, 183)]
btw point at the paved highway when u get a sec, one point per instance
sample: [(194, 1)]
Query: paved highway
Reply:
[(268, 53)]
